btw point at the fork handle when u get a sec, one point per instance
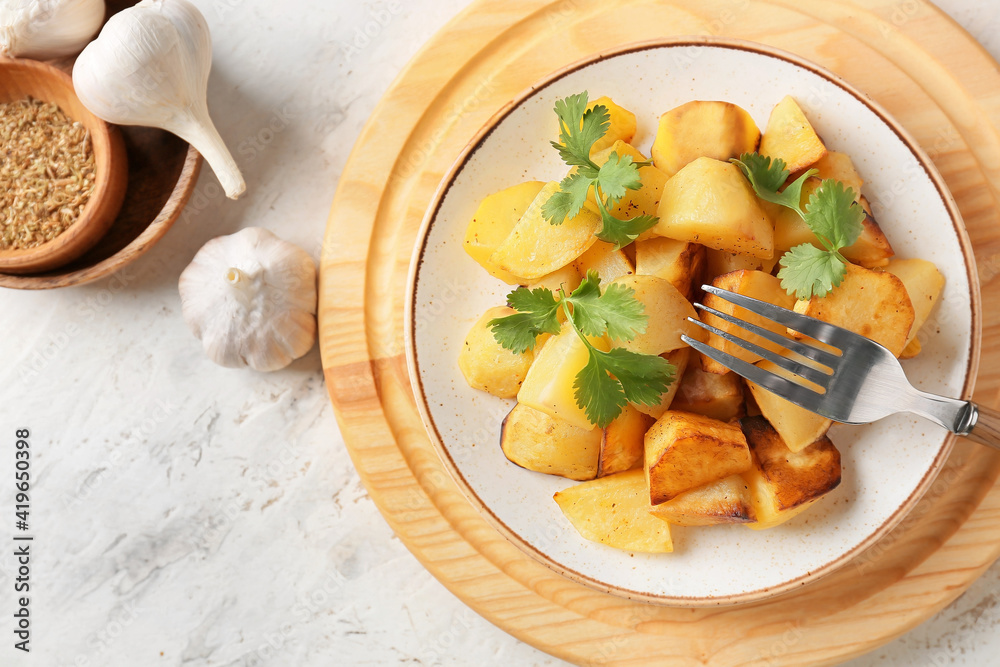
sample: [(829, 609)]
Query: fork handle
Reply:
[(984, 427)]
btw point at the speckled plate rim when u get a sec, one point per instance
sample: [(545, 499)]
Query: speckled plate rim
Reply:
[(413, 365)]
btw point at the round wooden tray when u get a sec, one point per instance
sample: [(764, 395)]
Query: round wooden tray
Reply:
[(930, 74)]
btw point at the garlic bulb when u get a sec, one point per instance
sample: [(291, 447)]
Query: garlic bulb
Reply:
[(149, 66), (251, 299), (43, 29)]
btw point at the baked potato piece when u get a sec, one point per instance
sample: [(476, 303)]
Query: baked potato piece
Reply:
[(679, 359), (710, 394), (711, 203), (548, 386), (679, 262), (685, 451), (536, 441), (668, 311), (719, 130), (493, 222), (790, 137), (724, 501), (870, 303), (755, 284), (645, 200), (718, 262), (622, 445), (614, 510), (567, 277), (486, 365), (837, 166), (784, 483), (622, 127), (535, 247), (797, 426), (608, 262), (923, 283)]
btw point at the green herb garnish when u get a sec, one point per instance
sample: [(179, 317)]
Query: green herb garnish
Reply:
[(831, 213), (580, 128), (610, 379)]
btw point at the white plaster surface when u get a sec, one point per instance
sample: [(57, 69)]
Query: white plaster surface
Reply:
[(187, 514)]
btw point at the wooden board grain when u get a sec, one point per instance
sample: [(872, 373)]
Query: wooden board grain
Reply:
[(930, 74)]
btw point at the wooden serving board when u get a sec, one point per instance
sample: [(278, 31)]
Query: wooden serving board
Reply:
[(929, 73)]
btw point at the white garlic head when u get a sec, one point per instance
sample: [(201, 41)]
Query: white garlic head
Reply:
[(250, 298), (44, 29)]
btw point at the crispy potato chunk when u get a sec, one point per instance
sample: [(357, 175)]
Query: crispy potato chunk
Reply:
[(679, 262), (711, 203), (486, 365), (710, 394), (622, 446), (838, 167), (755, 284), (719, 130), (608, 262), (622, 128), (614, 510), (724, 501), (790, 137), (645, 200), (797, 426), (679, 358), (548, 385), (718, 262), (685, 451), (923, 282), (784, 483), (668, 311), (875, 305), (535, 247), (493, 222), (536, 441), (567, 277)]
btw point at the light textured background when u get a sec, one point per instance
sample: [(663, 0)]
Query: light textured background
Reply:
[(192, 515)]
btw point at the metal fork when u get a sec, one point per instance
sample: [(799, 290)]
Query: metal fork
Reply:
[(862, 381)]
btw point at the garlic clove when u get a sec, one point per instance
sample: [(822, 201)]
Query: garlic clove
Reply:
[(150, 66), (44, 29), (250, 297)]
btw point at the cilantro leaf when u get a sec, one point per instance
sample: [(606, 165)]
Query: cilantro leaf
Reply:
[(622, 232), (567, 202), (537, 314), (766, 177), (616, 176), (612, 379), (833, 215), (809, 271), (580, 128), (616, 312), (599, 395)]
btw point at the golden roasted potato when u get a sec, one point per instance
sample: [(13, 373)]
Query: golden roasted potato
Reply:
[(536, 441), (614, 510), (679, 358), (645, 200), (923, 282), (685, 451), (548, 385), (873, 304), (621, 448), (622, 128), (486, 365), (784, 483), (711, 203), (567, 277), (719, 130), (535, 247), (668, 311), (797, 426), (493, 222), (718, 262), (790, 137), (912, 349), (755, 284), (837, 166), (608, 262), (727, 500), (679, 262), (710, 394)]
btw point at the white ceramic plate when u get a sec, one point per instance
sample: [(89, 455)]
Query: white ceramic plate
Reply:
[(886, 466)]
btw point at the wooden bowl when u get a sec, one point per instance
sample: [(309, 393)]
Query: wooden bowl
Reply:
[(20, 79)]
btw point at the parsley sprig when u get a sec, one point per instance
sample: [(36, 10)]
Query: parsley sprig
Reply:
[(831, 213), (580, 128), (610, 379)]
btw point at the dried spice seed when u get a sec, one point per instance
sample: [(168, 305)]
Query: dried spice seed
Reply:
[(46, 173)]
